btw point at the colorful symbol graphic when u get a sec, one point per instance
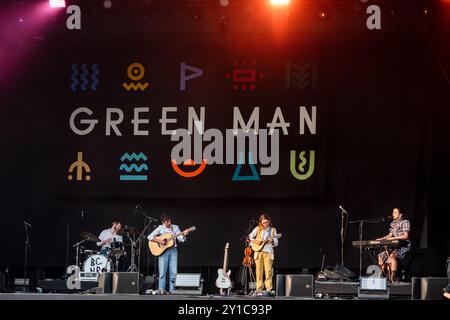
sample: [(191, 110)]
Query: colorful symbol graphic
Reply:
[(136, 167), (237, 171), (79, 165), (135, 72), (75, 85), (244, 77), (301, 76), (189, 163), (301, 167), (196, 72)]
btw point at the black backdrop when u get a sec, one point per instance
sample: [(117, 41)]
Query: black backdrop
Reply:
[(385, 144)]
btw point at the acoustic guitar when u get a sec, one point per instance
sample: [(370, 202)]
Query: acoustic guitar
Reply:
[(223, 281), (158, 249), (258, 247)]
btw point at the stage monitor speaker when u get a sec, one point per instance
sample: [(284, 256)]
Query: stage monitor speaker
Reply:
[(280, 287), (299, 285), (121, 282), (431, 288)]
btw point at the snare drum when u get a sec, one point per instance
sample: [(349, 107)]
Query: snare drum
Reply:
[(97, 263)]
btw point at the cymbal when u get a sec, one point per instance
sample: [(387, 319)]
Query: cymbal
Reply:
[(126, 230), (89, 236)]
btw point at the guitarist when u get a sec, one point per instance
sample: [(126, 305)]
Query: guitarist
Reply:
[(264, 258), (168, 259)]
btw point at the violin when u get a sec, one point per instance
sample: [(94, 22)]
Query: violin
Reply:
[(248, 259)]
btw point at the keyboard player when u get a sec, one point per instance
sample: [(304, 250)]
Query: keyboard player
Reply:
[(399, 230)]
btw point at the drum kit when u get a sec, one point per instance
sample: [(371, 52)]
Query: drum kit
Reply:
[(106, 260)]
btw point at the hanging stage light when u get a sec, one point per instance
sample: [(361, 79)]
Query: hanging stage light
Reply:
[(279, 2), (57, 3)]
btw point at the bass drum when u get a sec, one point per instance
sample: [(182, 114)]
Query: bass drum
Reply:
[(97, 263)]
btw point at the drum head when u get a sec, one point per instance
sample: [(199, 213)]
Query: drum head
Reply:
[(97, 263), (117, 250)]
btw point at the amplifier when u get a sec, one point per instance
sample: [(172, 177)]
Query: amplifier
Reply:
[(280, 286), (299, 285), (121, 282), (431, 288)]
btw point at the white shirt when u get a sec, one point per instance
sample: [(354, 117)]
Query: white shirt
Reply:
[(173, 230), (106, 234)]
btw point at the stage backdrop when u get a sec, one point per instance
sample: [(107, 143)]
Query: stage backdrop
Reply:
[(87, 125)]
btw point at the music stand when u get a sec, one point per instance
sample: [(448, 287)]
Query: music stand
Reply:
[(361, 224)]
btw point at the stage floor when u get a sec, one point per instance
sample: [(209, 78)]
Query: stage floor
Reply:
[(324, 290)]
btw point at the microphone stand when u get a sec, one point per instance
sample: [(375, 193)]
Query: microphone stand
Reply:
[(144, 214), (342, 235), (68, 237), (361, 223), (245, 239), (133, 267), (27, 246), (77, 245)]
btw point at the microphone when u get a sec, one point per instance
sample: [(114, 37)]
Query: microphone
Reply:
[(389, 217), (27, 224), (340, 207), (82, 214)]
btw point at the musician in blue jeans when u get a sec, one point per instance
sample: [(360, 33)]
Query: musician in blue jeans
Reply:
[(168, 259)]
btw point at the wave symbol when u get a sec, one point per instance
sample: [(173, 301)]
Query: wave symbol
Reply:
[(142, 167), (95, 73), (133, 156)]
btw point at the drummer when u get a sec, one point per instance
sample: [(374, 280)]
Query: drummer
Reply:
[(110, 235)]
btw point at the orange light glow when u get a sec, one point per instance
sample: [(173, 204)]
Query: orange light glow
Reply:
[(279, 2)]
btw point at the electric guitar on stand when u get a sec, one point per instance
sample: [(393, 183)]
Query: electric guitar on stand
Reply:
[(223, 281)]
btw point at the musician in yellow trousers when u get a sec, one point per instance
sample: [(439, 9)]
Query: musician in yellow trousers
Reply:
[(264, 258)]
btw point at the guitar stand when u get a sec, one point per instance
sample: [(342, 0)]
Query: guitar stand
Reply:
[(225, 292)]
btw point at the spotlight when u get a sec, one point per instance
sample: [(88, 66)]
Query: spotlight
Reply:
[(279, 2), (57, 3), (323, 14), (107, 4), (224, 3), (425, 12)]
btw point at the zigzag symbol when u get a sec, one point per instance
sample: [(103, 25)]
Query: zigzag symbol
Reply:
[(133, 156), (73, 77), (94, 75), (135, 86)]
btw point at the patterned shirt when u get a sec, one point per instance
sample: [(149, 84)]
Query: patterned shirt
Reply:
[(399, 227)]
